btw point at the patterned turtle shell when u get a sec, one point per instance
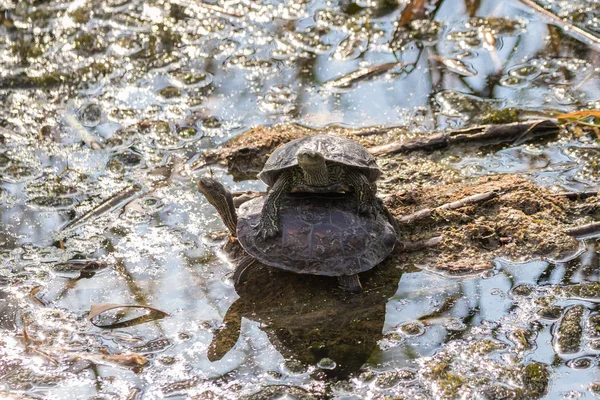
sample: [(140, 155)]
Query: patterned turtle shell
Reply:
[(320, 235), (335, 149)]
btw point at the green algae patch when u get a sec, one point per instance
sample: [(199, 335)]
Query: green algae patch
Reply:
[(587, 291), (535, 379), (568, 335)]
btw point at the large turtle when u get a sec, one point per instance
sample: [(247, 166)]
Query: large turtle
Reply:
[(321, 234), (318, 163)]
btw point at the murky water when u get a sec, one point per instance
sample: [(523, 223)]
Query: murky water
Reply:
[(108, 95)]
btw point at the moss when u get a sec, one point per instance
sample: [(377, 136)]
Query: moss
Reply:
[(502, 116), (80, 15), (450, 385), (520, 337), (535, 379), (486, 346), (583, 291), (570, 330)]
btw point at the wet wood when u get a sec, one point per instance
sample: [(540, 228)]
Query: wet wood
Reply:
[(417, 245), (570, 29), (584, 230), (514, 132), (474, 199), (578, 195)]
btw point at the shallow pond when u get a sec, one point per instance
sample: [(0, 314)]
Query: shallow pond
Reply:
[(103, 97)]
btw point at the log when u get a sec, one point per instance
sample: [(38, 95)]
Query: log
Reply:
[(474, 199), (584, 230), (515, 132)]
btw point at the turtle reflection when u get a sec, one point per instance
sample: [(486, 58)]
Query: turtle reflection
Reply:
[(309, 320)]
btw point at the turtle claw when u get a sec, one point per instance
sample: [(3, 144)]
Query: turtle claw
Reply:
[(368, 210), (267, 230)]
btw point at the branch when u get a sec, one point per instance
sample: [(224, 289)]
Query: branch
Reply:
[(577, 195), (485, 133), (584, 230), (568, 28), (410, 246), (474, 199)]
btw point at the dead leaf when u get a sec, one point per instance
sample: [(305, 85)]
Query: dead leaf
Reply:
[(413, 10), (127, 359), (580, 114), (456, 66), (36, 297)]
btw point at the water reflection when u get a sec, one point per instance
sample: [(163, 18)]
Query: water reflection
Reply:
[(309, 320)]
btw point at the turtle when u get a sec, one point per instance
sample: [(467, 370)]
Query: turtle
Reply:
[(322, 234), (318, 163)]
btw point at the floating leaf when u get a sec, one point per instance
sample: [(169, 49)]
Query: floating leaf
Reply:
[(456, 66), (98, 309)]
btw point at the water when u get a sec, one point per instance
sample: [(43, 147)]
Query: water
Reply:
[(98, 96)]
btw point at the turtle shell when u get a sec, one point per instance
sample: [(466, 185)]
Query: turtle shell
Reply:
[(335, 149), (320, 235)]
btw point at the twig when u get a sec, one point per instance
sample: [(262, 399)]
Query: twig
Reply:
[(568, 28), (421, 214), (116, 201), (373, 132), (410, 246), (577, 195), (483, 133), (584, 230)]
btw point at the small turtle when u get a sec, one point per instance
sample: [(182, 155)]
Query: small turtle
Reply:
[(320, 164), (321, 234)]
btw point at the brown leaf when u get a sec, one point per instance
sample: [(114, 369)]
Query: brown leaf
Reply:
[(127, 360), (414, 10)]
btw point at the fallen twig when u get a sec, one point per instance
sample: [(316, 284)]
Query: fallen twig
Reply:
[(568, 28), (577, 195), (484, 133), (584, 230), (410, 246), (421, 214), (116, 201)]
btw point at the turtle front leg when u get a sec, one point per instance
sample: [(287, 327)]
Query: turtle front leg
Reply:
[(365, 193), (269, 220)]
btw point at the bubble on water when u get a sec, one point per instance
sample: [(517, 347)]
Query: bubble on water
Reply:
[(412, 328), (455, 325), (513, 82), (90, 115), (581, 363), (350, 48), (279, 99), (326, 363), (523, 290)]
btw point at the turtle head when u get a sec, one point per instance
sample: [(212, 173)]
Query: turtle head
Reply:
[(222, 200), (314, 168), (310, 160)]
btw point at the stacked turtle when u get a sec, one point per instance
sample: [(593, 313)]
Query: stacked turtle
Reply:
[(320, 215)]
